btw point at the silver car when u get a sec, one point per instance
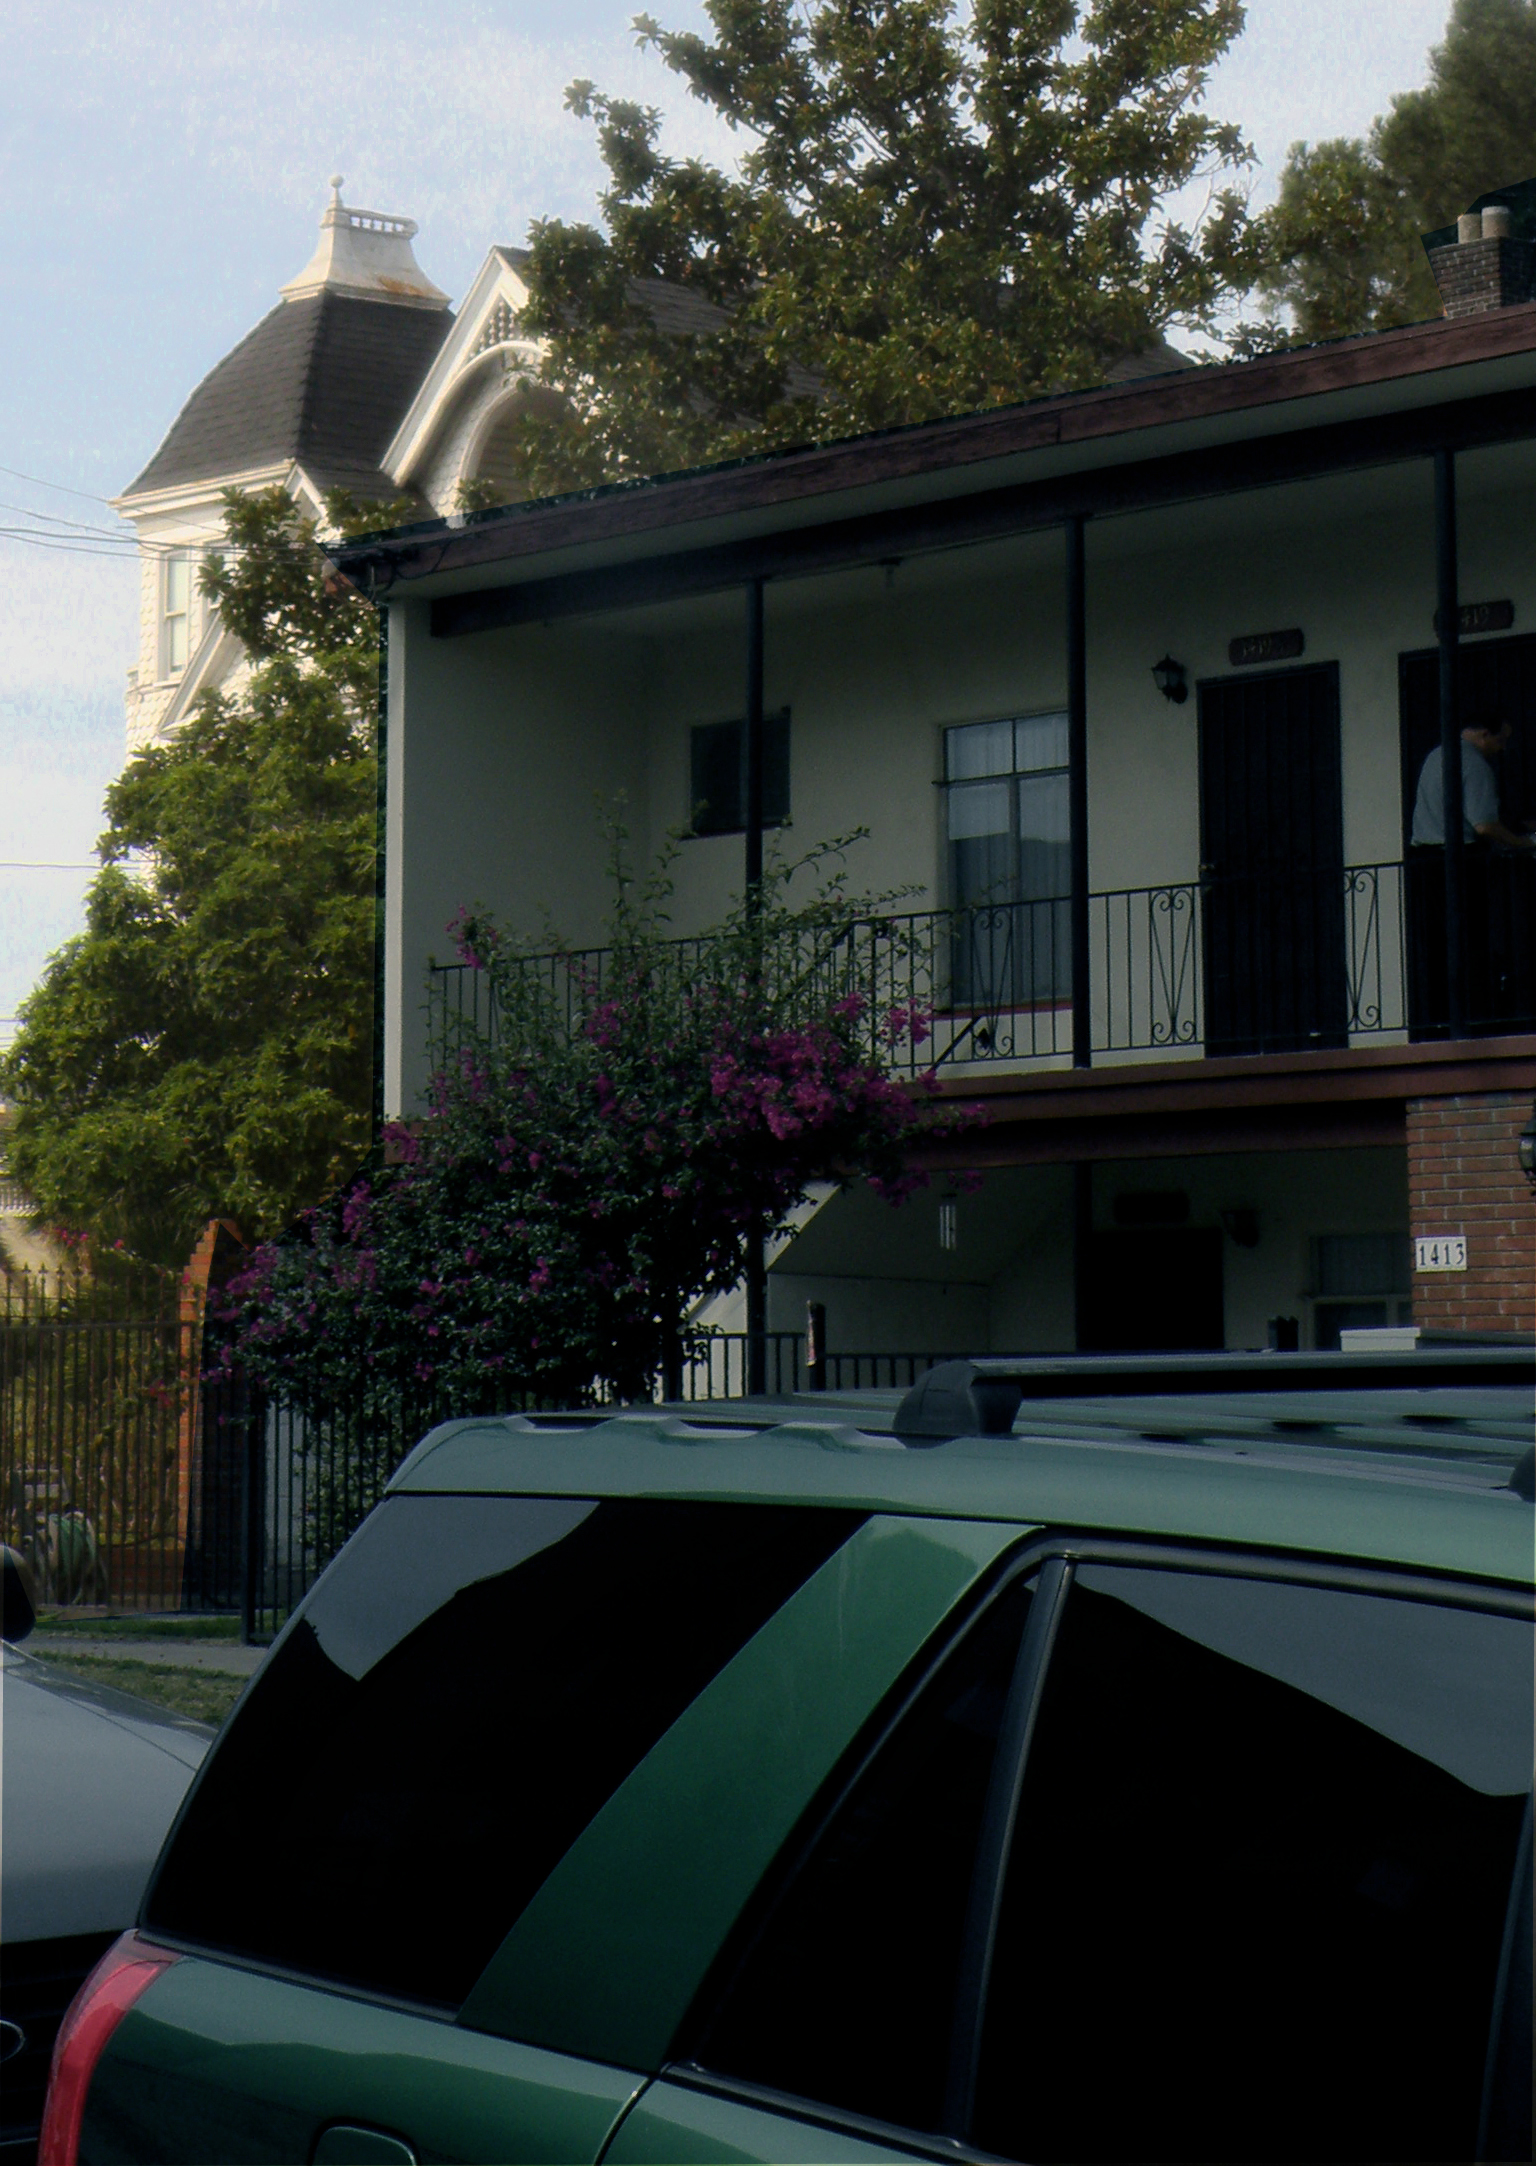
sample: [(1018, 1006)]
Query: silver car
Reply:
[(91, 1781)]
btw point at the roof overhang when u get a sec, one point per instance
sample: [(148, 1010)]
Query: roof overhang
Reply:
[(198, 495), (1374, 400)]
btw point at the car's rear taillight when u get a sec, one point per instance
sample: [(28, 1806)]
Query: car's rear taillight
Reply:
[(127, 1968)]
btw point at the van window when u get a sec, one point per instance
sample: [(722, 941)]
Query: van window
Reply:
[(847, 1994), (467, 1685), (1259, 1878)]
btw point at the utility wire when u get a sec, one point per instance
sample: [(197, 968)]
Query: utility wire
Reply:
[(53, 518), (62, 487)]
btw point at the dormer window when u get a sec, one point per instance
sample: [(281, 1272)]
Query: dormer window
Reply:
[(175, 613)]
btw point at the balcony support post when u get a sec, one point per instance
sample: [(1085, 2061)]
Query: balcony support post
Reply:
[(752, 750), (1082, 1253), (1077, 790), (756, 1286), (1448, 608)]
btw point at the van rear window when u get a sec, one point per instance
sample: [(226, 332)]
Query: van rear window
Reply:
[(465, 1688)]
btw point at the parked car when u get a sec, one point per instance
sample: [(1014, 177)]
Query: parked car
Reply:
[(1143, 1775), (91, 1783)]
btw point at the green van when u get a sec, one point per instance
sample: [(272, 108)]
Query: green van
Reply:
[(1127, 1760)]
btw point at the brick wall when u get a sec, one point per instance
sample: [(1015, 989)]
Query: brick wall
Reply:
[(1464, 1177)]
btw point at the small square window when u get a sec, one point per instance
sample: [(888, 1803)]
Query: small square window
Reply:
[(718, 778)]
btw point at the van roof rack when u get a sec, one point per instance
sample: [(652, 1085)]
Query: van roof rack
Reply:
[(981, 1398)]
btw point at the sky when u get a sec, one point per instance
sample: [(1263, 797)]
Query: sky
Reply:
[(165, 166)]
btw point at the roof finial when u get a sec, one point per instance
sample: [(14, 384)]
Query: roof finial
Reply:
[(366, 254)]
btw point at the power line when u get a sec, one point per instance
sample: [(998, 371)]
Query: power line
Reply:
[(53, 518), (107, 545), (62, 487), (41, 864)]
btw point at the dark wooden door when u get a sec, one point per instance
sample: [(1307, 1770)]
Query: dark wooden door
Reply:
[(1154, 1292), (1272, 862), (1495, 677)]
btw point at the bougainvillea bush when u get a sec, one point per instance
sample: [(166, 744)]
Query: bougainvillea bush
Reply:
[(595, 1162)]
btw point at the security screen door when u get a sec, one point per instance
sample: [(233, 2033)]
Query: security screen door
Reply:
[(1272, 862), (1495, 676)]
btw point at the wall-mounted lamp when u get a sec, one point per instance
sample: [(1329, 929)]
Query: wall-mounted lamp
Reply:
[(1168, 675), (1527, 1147), (949, 1223)]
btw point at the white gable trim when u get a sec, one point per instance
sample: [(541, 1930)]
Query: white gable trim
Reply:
[(219, 654), (496, 285), (197, 495)]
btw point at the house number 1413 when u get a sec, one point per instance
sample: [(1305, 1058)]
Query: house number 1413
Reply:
[(1440, 1252)]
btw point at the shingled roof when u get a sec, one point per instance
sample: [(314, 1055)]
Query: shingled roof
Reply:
[(324, 380)]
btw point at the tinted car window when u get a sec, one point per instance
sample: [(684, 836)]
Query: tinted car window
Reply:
[(846, 1995), (465, 1688), (1259, 1878)]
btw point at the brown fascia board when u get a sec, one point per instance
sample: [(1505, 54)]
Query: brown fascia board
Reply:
[(1359, 1076), (632, 510), (1118, 1137)]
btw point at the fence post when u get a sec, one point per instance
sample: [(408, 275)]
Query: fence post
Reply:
[(816, 1345), (250, 1508)]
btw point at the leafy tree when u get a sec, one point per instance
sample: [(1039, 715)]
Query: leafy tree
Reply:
[(582, 1184), (203, 1048), (1341, 250), (939, 208)]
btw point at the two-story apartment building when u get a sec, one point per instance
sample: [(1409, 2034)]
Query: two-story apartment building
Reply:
[(1133, 687)]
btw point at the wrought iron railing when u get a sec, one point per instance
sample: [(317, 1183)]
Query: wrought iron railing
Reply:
[(1260, 962)]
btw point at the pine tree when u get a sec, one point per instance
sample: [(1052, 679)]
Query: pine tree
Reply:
[(1341, 249)]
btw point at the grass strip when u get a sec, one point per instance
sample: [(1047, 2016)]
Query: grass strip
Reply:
[(200, 1695), (71, 1622)]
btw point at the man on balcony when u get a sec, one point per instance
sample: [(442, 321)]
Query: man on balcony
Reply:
[(1500, 966), (1481, 744)]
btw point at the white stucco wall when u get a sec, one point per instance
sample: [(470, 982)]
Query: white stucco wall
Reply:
[(501, 751)]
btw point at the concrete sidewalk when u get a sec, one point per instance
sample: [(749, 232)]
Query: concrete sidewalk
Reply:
[(189, 1654)]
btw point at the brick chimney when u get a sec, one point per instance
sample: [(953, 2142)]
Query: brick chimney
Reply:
[(1488, 258)]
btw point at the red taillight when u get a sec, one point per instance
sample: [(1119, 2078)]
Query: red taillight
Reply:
[(128, 1966)]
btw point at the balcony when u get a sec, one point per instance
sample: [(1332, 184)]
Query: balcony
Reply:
[(1272, 963)]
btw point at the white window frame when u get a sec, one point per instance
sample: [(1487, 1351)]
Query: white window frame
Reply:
[(169, 668)]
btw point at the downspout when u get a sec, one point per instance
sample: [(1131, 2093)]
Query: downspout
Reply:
[(380, 840), (752, 820), (1077, 789)]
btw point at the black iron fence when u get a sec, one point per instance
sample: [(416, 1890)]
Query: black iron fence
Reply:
[(1269, 960), (277, 1490), (132, 1482), (98, 1418)]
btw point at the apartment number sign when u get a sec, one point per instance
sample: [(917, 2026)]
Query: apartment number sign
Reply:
[(1474, 617), (1440, 1252), (1266, 647)]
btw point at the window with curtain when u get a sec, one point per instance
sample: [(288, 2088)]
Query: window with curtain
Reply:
[(1010, 860)]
